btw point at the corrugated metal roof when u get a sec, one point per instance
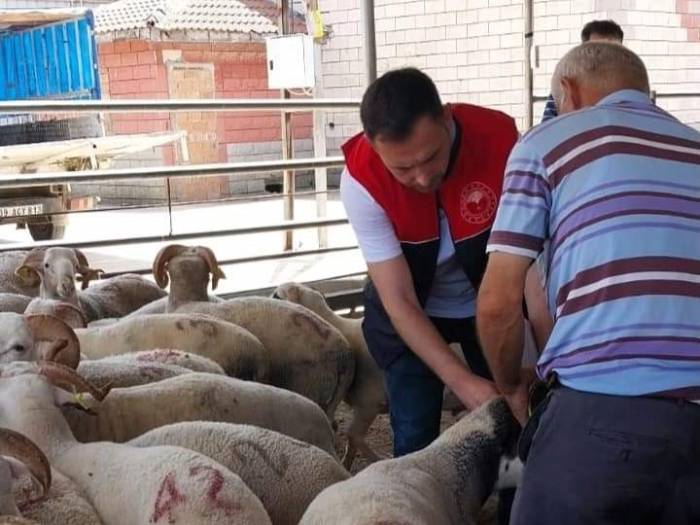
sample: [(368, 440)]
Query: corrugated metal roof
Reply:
[(234, 16)]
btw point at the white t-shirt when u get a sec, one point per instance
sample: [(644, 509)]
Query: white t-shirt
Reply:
[(451, 295)]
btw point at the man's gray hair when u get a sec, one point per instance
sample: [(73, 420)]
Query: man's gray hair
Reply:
[(605, 66)]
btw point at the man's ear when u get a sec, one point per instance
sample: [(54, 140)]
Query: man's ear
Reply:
[(571, 95)]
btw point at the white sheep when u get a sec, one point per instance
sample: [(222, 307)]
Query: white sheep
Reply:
[(125, 484), (445, 483), (186, 360), (285, 473), (130, 412), (19, 455), (12, 283), (239, 352), (37, 337), (70, 314), (55, 269), (140, 368), (14, 302), (367, 393), (307, 355)]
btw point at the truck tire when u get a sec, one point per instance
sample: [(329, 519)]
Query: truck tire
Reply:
[(46, 231)]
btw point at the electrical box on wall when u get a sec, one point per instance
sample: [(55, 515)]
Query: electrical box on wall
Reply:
[(290, 62)]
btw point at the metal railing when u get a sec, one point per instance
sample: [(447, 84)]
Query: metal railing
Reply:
[(168, 172)]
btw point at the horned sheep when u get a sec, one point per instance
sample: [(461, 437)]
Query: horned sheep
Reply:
[(125, 484)]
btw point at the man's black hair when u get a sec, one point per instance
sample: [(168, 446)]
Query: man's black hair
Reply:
[(395, 101), (606, 28)]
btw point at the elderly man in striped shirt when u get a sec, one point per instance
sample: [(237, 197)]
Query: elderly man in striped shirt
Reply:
[(614, 186)]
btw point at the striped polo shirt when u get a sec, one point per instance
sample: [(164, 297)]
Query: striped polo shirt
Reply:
[(614, 193)]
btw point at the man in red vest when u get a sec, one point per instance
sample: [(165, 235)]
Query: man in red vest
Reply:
[(421, 188)]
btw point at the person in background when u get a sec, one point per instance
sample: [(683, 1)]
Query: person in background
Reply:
[(614, 186), (593, 31)]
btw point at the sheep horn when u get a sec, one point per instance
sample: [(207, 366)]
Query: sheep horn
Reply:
[(87, 274), (68, 379), (66, 347), (216, 272), (20, 447), (75, 314), (29, 271), (164, 255)]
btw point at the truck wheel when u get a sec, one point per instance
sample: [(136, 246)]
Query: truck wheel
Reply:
[(46, 231)]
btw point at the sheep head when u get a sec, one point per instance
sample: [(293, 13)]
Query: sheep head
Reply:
[(37, 337), (187, 263), (68, 313), (301, 294), (19, 447), (56, 269)]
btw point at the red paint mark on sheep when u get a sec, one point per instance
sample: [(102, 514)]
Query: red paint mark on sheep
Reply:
[(216, 482), (168, 498), (162, 356), (301, 319)]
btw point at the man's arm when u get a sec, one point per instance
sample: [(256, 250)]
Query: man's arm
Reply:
[(500, 326), (393, 281)]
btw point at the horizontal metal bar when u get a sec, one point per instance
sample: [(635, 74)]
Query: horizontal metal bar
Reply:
[(280, 226), (540, 98), (269, 289), (676, 95), (13, 180), (176, 105), (254, 258), (164, 203)]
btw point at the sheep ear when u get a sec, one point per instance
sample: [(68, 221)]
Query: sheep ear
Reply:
[(82, 402), (29, 275)]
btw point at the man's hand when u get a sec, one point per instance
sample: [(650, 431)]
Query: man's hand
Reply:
[(500, 326), (518, 399), (393, 281)]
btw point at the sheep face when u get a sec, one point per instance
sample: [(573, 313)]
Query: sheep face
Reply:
[(16, 339), (189, 268), (301, 294), (58, 272)]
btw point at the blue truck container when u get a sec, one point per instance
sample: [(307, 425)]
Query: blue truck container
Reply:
[(46, 54)]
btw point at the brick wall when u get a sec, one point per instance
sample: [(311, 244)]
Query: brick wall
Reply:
[(473, 48), (139, 69)]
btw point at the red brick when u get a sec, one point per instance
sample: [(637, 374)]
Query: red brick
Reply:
[(123, 87), (127, 127), (146, 57), (122, 46), (110, 60), (121, 73), (105, 48), (129, 59), (152, 126), (142, 72)]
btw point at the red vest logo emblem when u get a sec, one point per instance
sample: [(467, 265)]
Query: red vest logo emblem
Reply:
[(478, 203)]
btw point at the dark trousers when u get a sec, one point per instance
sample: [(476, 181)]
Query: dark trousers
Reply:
[(415, 392), (598, 459)]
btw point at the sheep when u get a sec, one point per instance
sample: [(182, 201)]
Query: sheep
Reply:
[(286, 474), (189, 268), (37, 337), (240, 353), (445, 483), (307, 355), (13, 302), (70, 314), (129, 412), (63, 504), (125, 484), (140, 368), (367, 393), (9, 281), (55, 270), (18, 454), (188, 361)]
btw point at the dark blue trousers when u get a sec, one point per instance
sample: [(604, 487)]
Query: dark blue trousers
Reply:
[(415, 392), (599, 459)]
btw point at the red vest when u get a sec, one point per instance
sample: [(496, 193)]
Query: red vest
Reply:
[(469, 196)]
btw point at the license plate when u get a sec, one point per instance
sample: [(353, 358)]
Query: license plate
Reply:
[(21, 211)]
